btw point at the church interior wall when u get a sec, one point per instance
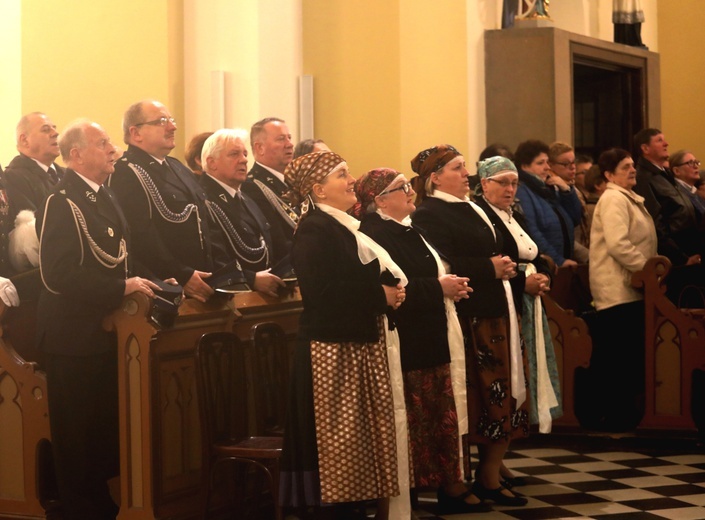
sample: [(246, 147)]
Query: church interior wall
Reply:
[(389, 77)]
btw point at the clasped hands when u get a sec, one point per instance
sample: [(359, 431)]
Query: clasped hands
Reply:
[(537, 284), (504, 267), (395, 295), (455, 287)]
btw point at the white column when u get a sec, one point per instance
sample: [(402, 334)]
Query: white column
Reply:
[(257, 46)]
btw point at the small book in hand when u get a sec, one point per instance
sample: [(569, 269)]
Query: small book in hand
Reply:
[(228, 279), (284, 270)]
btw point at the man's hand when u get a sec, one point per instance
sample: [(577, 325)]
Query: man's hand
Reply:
[(268, 283), (8, 293), (137, 284), (196, 288)]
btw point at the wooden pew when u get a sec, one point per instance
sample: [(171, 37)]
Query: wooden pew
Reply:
[(675, 347), (24, 414), (160, 444), (573, 346)]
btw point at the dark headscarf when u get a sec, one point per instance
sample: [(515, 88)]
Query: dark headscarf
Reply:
[(369, 186), (430, 161)]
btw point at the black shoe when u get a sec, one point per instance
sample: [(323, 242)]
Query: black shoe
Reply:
[(448, 505), (512, 482), (497, 496)]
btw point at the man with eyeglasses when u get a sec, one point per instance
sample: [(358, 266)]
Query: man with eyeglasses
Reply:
[(163, 203), (680, 237), (674, 215)]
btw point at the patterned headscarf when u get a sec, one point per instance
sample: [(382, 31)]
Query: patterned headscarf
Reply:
[(305, 171), (430, 161), (369, 186), (493, 166)]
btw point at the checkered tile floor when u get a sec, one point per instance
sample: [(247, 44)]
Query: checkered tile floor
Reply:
[(665, 481)]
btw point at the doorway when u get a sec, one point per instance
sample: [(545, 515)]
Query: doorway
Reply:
[(608, 106)]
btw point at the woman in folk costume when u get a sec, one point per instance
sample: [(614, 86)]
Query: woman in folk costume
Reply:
[(497, 189), (496, 387), (345, 437), (432, 352)]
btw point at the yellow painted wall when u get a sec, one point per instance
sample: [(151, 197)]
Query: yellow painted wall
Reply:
[(352, 51), (388, 79), (10, 85), (682, 61), (87, 58), (434, 77)]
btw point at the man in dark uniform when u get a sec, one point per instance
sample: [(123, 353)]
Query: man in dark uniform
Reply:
[(84, 247), (273, 150), (32, 175), (164, 205), (247, 232)]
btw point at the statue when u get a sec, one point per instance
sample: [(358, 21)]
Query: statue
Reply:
[(532, 10), (627, 17)]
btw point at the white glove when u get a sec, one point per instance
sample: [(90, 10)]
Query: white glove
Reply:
[(23, 249), (8, 293)]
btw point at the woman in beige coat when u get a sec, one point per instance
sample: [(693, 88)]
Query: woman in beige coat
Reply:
[(622, 239)]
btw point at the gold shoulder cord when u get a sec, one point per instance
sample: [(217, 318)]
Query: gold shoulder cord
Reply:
[(284, 209), (103, 257), (153, 194), (236, 242)]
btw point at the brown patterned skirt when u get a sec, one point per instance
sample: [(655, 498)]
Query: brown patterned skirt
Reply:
[(355, 433)]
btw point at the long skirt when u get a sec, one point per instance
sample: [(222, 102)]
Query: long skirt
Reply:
[(339, 443), (433, 426), (528, 329), (492, 412)]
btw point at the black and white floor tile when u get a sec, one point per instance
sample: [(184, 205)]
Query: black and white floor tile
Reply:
[(601, 480)]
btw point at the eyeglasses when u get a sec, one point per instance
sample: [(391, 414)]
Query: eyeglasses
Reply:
[(406, 188), (565, 164), (505, 184), (162, 121), (693, 164)]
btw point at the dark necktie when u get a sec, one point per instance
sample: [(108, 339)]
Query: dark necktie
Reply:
[(238, 206), (52, 175), (105, 204)]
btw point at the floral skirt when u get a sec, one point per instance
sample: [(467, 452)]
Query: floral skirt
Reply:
[(492, 412), (433, 426)]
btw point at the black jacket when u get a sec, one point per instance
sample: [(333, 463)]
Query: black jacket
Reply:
[(79, 291), (342, 298), (27, 184), (250, 226), (510, 249), (467, 242), (677, 227), (421, 319), (280, 228), (169, 249)]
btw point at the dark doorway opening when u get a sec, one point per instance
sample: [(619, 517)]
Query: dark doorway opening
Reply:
[(608, 105)]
